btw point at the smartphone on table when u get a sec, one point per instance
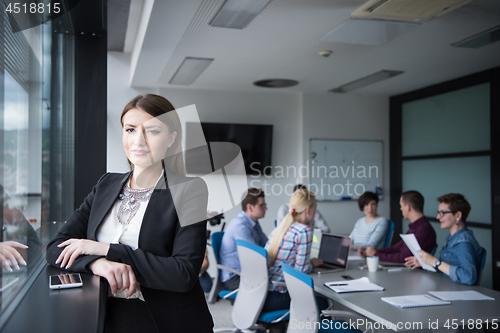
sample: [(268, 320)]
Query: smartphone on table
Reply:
[(63, 281)]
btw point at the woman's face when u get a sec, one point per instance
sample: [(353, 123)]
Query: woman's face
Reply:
[(145, 138), (445, 217), (370, 208)]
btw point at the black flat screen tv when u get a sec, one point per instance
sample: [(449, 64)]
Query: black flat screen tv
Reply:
[(255, 142)]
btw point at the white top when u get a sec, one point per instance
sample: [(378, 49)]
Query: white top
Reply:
[(370, 234), (111, 231), (318, 222)]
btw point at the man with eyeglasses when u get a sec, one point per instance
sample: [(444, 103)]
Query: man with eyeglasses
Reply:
[(412, 208), (244, 226)]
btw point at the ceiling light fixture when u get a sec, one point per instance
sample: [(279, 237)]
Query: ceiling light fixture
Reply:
[(190, 69), (237, 14), (481, 39), (276, 83), (366, 81), (368, 32)]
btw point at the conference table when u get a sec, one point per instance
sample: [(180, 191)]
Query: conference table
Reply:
[(470, 314)]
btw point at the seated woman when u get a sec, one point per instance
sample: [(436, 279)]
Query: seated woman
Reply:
[(290, 242), (461, 256), (372, 229)]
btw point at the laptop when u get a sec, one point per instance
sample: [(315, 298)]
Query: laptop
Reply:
[(334, 251)]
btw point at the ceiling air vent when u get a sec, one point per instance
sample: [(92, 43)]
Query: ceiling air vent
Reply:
[(407, 10)]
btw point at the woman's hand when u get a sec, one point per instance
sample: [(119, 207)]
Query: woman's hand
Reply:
[(73, 248), (427, 258), (10, 256), (412, 262), (370, 251), (315, 262), (361, 251), (120, 276)]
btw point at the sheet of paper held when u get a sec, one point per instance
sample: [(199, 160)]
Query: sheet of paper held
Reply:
[(413, 245)]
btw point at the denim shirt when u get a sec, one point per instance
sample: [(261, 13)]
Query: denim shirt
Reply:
[(241, 227), (464, 255)]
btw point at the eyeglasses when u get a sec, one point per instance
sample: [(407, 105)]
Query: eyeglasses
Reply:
[(264, 205), (440, 213)]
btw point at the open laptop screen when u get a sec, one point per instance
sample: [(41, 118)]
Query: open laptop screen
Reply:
[(334, 249)]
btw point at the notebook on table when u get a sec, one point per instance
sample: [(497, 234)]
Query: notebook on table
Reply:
[(413, 301), (334, 251)]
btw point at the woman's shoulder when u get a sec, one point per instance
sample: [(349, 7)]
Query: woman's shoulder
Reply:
[(466, 236), (381, 219)]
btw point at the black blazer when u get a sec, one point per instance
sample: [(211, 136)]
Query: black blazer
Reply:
[(169, 257)]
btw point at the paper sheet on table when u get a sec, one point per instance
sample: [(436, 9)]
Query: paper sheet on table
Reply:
[(347, 286), (413, 245), (466, 295)]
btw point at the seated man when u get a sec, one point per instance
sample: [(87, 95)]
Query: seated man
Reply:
[(412, 207), (318, 222), (244, 226)]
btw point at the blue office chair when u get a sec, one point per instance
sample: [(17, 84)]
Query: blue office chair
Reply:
[(303, 308), (390, 234), (483, 262), (252, 291), (217, 287)]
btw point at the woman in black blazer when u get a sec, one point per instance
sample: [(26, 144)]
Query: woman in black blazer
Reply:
[(141, 231)]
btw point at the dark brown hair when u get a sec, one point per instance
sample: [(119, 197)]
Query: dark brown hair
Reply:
[(156, 106), (414, 199), (457, 203), (365, 199), (252, 197)]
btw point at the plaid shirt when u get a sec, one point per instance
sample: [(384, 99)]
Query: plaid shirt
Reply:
[(294, 251)]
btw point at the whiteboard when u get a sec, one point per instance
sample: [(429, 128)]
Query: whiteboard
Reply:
[(343, 170)]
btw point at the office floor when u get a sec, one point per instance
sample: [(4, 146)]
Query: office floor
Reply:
[(221, 313)]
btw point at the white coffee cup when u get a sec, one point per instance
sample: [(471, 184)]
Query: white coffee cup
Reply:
[(372, 263)]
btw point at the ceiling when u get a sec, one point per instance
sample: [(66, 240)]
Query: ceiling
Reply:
[(283, 42)]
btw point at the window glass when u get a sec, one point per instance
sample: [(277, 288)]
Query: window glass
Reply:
[(458, 121), (469, 176)]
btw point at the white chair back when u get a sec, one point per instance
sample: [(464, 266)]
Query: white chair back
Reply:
[(254, 283), (303, 309)]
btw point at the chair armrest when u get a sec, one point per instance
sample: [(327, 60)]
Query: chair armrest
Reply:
[(231, 293), (280, 318), (278, 284), (229, 269)]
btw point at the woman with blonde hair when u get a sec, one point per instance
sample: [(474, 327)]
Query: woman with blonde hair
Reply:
[(290, 243)]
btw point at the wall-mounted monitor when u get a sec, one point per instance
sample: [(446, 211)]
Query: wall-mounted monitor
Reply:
[(255, 142)]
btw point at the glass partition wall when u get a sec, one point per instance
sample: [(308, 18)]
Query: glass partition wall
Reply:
[(36, 146), (441, 142)]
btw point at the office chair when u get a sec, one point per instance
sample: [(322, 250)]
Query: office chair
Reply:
[(390, 234), (252, 292), (481, 269), (217, 287), (303, 308)]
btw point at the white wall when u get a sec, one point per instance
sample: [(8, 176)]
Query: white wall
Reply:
[(347, 117), (296, 119), (119, 94)]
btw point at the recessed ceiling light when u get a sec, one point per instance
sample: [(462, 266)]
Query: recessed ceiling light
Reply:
[(276, 83), (237, 14), (189, 70), (366, 81), (481, 39), (368, 32)]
